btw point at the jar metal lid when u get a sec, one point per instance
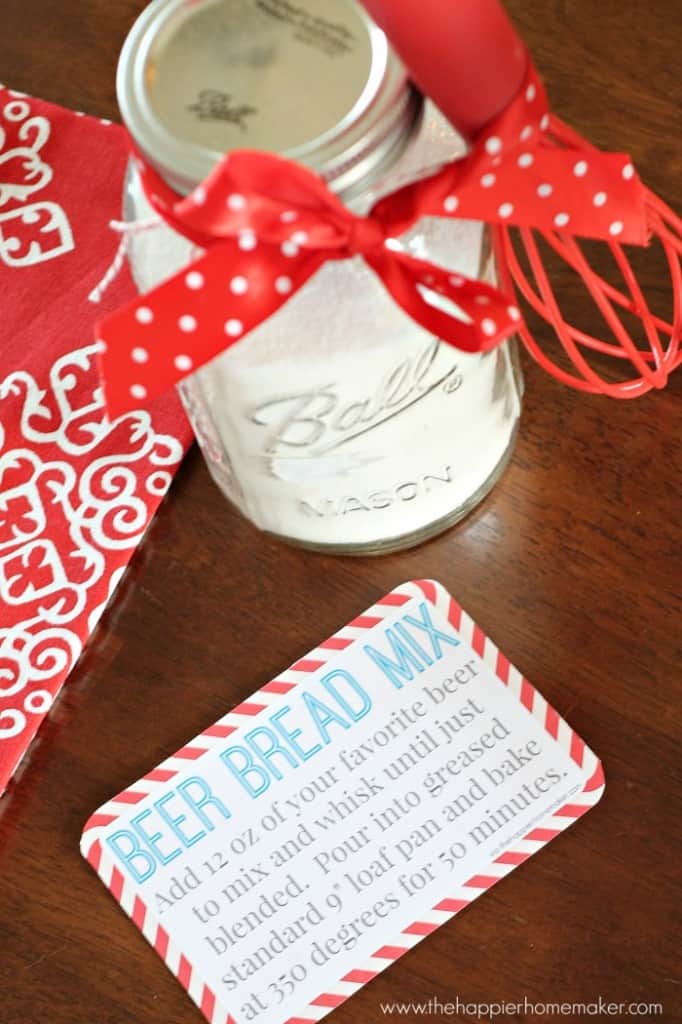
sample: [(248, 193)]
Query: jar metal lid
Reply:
[(313, 80)]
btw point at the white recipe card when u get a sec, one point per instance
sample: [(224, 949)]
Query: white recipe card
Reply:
[(350, 807)]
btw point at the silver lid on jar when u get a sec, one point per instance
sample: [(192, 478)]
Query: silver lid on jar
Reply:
[(313, 80)]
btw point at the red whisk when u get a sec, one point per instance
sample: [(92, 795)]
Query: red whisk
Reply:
[(468, 58), (654, 364)]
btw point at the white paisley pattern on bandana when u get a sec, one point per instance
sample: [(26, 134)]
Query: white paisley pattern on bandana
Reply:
[(76, 495), (33, 231)]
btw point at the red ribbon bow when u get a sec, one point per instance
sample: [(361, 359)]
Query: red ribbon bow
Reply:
[(266, 225)]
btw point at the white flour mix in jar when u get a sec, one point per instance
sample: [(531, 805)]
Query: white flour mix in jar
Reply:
[(340, 423)]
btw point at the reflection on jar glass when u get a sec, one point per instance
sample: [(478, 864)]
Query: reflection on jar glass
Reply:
[(339, 424)]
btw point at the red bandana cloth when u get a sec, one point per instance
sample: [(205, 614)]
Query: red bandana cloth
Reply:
[(77, 492)]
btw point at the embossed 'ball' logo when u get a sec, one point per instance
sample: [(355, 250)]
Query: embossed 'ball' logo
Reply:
[(213, 105)]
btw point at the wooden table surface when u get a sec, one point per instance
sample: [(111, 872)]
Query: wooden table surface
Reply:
[(572, 565)]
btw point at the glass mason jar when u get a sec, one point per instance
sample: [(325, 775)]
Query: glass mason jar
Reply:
[(339, 424)]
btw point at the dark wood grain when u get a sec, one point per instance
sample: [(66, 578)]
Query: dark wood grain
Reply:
[(572, 566)]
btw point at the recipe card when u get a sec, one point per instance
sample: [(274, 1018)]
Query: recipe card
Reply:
[(350, 807)]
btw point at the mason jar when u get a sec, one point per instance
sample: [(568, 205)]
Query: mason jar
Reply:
[(339, 424)]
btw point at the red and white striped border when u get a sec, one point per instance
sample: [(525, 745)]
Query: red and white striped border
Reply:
[(268, 697)]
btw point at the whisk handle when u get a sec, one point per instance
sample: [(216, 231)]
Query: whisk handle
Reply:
[(465, 54)]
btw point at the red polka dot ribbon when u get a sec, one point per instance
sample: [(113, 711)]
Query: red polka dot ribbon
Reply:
[(265, 225)]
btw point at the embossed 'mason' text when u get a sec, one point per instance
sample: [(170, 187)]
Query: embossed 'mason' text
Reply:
[(378, 501)]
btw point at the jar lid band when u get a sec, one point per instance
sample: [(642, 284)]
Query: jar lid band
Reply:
[(316, 82)]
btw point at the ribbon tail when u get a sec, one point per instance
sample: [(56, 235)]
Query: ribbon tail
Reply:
[(159, 338), (528, 169), (468, 314)]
